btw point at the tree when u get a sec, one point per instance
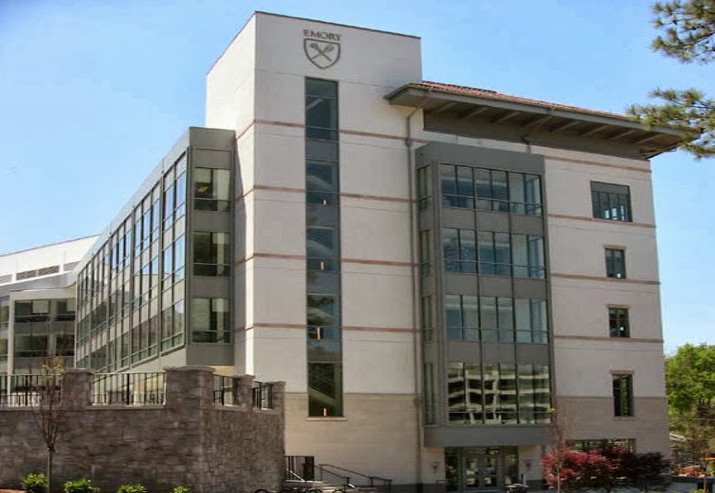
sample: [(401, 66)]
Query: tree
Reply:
[(690, 385), (688, 34), (47, 409)]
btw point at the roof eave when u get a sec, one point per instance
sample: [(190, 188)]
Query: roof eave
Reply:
[(413, 95)]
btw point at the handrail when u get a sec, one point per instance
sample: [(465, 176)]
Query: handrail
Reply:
[(371, 479), (344, 480)]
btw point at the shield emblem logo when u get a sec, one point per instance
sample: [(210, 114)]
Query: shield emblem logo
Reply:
[(322, 54)]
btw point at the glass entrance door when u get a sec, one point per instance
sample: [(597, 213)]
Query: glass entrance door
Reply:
[(480, 468)]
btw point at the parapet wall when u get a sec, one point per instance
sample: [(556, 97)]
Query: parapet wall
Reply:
[(189, 441)]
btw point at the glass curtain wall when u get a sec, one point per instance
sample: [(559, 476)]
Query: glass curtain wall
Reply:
[(130, 294), (323, 305)]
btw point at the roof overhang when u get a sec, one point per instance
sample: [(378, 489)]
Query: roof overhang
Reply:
[(529, 115)]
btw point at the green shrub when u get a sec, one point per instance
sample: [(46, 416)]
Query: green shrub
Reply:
[(131, 488), (180, 489), (83, 485), (34, 483)]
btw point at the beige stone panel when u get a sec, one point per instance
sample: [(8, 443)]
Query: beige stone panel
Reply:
[(279, 354), (372, 166), (371, 57), (580, 308), (378, 435), (363, 108), (376, 296), (592, 157), (578, 247), (585, 368), (591, 418), (568, 188), (375, 230), (245, 174), (530, 462), (279, 222), (278, 291), (280, 96), (230, 83), (432, 465), (378, 362), (248, 204), (282, 157)]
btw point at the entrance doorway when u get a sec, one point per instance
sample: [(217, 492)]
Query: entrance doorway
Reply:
[(480, 468)]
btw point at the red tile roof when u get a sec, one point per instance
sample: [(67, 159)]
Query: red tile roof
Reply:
[(486, 93)]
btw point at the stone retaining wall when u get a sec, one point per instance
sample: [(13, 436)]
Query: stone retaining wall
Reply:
[(188, 441)]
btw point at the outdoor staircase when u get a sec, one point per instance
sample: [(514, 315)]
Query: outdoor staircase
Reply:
[(303, 474)]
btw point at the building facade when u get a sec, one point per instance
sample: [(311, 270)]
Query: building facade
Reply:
[(439, 273), (37, 305)]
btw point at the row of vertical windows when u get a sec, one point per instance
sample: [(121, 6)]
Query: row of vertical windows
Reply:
[(494, 254), (132, 291), (495, 319), (483, 393), (484, 189), (323, 320)]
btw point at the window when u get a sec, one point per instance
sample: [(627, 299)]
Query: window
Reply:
[(212, 254), (211, 189), (324, 335), (321, 109), (460, 250), (499, 254), (210, 320), (618, 322), (483, 189), (623, 395), (498, 393), (322, 248), (495, 319), (611, 201), (462, 317), (616, 263)]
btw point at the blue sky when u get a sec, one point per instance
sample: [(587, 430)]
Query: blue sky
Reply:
[(92, 94)]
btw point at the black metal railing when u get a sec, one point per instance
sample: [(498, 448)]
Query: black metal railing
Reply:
[(358, 479), (29, 390), (224, 392), (300, 467), (129, 389), (262, 395)]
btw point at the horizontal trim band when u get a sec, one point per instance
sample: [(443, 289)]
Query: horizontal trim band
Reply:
[(345, 260), (395, 330), (270, 188), (602, 221), (604, 279), (608, 339), (592, 163)]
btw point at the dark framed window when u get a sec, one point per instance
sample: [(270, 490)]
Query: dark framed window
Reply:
[(483, 189), (611, 201), (618, 324), (462, 317), (210, 320), (498, 393), (212, 254), (623, 395), (322, 248), (212, 189), (616, 263)]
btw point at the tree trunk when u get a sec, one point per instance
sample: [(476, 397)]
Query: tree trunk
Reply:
[(50, 452)]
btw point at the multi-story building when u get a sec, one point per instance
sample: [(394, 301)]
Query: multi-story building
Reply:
[(433, 269), (37, 305)]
